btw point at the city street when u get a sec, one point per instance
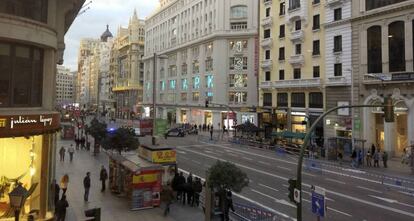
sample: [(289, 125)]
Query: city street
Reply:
[(347, 190)]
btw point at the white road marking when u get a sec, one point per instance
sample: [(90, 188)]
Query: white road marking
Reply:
[(308, 185), (305, 200), (281, 201), (287, 186), (406, 193), (246, 158), (182, 152), (234, 155), (343, 213), (364, 188), (284, 168), (268, 187), (308, 174), (391, 201), (262, 162), (196, 162), (251, 201), (336, 181)]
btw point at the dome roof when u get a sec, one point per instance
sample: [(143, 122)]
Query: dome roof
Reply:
[(107, 34)]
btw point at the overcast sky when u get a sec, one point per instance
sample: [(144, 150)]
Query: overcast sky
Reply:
[(93, 22)]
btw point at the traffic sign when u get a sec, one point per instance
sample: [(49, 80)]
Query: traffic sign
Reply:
[(297, 195), (318, 201)]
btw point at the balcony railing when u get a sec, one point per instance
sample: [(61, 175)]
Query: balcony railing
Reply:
[(337, 81), (388, 78), (267, 64), (297, 36), (298, 83), (297, 59), (267, 22), (267, 2), (333, 2), (266, 84), (267, 43)]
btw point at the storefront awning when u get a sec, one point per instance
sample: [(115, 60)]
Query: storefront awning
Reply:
[(289, 134)]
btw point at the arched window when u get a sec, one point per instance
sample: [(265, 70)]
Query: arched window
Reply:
[(374, 49), (239, 11), (396, 46)]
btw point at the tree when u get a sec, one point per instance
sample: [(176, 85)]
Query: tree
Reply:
[(122, 139), (224, 177), (98, 131)]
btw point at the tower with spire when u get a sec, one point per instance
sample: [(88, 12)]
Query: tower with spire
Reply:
[(107, 34)]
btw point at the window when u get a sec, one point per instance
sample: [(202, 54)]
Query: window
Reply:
[(294, 4), (266, 33), (298, 100), (209, 64), (374, 44), (172, 71), (298, 49), (338, 70), (373, 4), (196, 67), (209, 96), (316, 48), (296, 73), (282, 99), (267, 54), (396, 48), (282, 31), (338, 43), (21, 78), (268, 12), (267, 76), (315, 100), (237, 97), (267, 99), (31, 9), (316, 72), (238, 25), (281, 75), (316, 22), (316, 2), (298, 25), (183, 96), (196, 96), (282, 8), (239, 11), (337, 14), (238, 63), (281, 53)]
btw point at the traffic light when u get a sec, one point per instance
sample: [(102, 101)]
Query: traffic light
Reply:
[(292, 186), (206, 103), (388, 110)]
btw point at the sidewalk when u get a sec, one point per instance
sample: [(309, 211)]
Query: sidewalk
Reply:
[(113, 208)]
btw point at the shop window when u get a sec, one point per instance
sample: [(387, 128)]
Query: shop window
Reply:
[(373, 4), (267, 99), (21, 75), (374, 44), (298, 100), (396, 48), (315, 100), (31, 9), (282, 99)]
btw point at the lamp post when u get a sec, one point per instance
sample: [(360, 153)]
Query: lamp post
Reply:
[(17, 197), (154, 89)]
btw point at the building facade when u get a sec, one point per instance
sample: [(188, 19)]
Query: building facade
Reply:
[(32, 43), (65, 87), (292, 70), (212, 49), (382, 49), (127, 69)]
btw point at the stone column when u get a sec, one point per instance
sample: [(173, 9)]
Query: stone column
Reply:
[(410, 124), (178, 115), (408, 44), (190, 116), (389, 137), (385, 45)]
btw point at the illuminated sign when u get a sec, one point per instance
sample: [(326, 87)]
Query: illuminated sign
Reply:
[(196, 82), (22, 125), (209, 80), (184, 84), (46, 121), (164, 156)]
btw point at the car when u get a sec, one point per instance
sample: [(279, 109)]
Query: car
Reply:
[(175, 132)]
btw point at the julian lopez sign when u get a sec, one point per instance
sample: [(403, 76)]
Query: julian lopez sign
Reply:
[(22, 125)]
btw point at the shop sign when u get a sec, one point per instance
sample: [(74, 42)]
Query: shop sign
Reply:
[(16, 125), (164, 156), (402, 76), (145, 178)]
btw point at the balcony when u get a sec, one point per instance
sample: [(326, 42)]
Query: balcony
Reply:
[(267, 2), (297, 59), (389, 78), (297, 36), (266, 84), (300, 11), (266, 43), (333, 3), (337, 81), (267, 22), (267, 64), (298, 83)]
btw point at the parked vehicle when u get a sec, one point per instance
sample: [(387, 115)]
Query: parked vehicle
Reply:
[(192, 130), (175, 132)]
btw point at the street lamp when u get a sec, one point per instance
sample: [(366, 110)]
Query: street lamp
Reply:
[(154, 88), (352, 109), (17, 197)]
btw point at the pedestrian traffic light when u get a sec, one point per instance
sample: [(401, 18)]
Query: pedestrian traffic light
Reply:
[(388, 110), (206, 103), (292, 186)]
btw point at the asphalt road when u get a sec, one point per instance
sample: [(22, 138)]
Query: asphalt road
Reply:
[(351, 194)]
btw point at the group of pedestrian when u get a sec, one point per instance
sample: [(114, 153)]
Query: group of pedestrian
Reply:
[(62, 153), (82, 143), (372, 157)]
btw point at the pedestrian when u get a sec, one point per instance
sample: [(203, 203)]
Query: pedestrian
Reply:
[(71, 151), (360, 158), (56, 191), (180, 187), (77, 142), (64, 181), (62, 152), (211, 133), (373, 148), (87, 186), (340, 157), (369, 158), (83, 140), (376, 159), (353, 157), (228, 204), (385, 159), (189, 189), (168, 198), (103, 176), (61, 208), (224, 129), (198, 188), (208, 127), (199, 127)]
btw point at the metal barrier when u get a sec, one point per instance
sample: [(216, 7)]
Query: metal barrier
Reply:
[(403, 185), (244, 212), (313, 165)]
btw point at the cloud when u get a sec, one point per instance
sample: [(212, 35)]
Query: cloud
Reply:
[(92, 23)]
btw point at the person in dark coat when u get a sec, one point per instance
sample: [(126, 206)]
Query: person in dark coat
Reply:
[(61, 208), (385, 159), (168, 198), (189, 189), (180, 187), (87, 186), (228, 204), (83, 140), (174, 183), (103, 176), (56, 191), (373, 148), (211, 133), (198, 188)]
